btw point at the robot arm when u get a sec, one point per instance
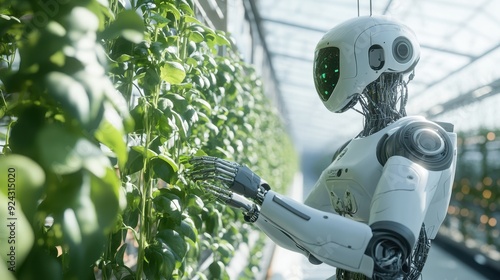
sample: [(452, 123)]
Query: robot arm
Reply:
[(415, 159), (419, 160), (320, 236)]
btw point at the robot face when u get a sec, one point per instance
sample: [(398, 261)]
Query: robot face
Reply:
[(355, 53), (326, 71)]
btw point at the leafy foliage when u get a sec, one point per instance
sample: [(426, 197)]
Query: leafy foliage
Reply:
[(110, 102)]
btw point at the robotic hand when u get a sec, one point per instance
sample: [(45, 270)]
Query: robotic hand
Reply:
[(241, 188)]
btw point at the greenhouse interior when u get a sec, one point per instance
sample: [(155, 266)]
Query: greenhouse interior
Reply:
[(199, 139)]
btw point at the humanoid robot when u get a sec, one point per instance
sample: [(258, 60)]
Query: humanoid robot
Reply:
[(376, 207)]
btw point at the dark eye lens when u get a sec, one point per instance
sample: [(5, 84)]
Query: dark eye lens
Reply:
[(326, 71), (402, 50)]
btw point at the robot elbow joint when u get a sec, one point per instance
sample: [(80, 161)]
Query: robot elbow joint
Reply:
[(390, 246)]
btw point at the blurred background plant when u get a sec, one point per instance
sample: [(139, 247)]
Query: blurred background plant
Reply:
[(473, 216)]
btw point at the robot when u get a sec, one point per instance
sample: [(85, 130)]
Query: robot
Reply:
[(377, 206)]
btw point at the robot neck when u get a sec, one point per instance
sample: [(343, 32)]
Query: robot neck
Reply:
[(383, 102)]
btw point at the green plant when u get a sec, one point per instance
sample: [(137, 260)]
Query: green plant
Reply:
[(475, 196), (61, 105), (110, 103)]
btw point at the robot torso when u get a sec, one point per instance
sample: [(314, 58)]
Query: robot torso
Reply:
[(347, 185)]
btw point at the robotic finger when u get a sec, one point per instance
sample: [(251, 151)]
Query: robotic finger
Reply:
[(212, 168), (250, 210), (237, 178), (228, 197)]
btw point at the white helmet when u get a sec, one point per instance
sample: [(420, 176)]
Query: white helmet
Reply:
[(355, 53)]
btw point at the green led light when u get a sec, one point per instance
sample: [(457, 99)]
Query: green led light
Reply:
[(336, 70)]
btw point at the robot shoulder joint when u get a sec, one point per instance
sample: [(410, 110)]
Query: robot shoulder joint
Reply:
[(423, 142)]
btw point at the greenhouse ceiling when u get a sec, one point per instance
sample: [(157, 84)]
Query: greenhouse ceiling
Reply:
[(460, 55)]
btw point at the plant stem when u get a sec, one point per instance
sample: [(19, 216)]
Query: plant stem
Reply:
[(145, 189), (147, 184)]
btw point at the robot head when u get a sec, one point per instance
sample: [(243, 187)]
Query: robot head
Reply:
[(355, 53)]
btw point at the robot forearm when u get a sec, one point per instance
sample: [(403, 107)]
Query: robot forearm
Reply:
[(321, 236)]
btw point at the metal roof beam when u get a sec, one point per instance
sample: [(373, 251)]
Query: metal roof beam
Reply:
[(294, 57), (473, 59), (448, 51), (387, 7), (294, 25), (465, 99)]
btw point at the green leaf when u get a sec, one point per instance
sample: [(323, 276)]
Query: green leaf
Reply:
[(111, 134), (164, 103), (188, 229), (172, 72), (166, 125), (119, 254), (68, 152), (196, 37), (71, 228), (80, 20), (128, 24), (137, 115), (181, 124), (171, 9), (191, 19), (168, 261), (225, 249), (70, 94), (76, 216), (124, 57), (190, 115), (180, 103), (194, 204), (144, 152), (133, 196), (174, 241), (135, 162), (160, 21), (220, 39), (186, 8), (213, 222), (170, 161), (200, 153), (118, 102), (217, 269), (106, 199), (171, 208), (122, 272), (159, 261), (163, 170), (212, 127)]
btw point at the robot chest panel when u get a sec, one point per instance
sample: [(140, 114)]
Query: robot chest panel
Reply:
[(352, 178)]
